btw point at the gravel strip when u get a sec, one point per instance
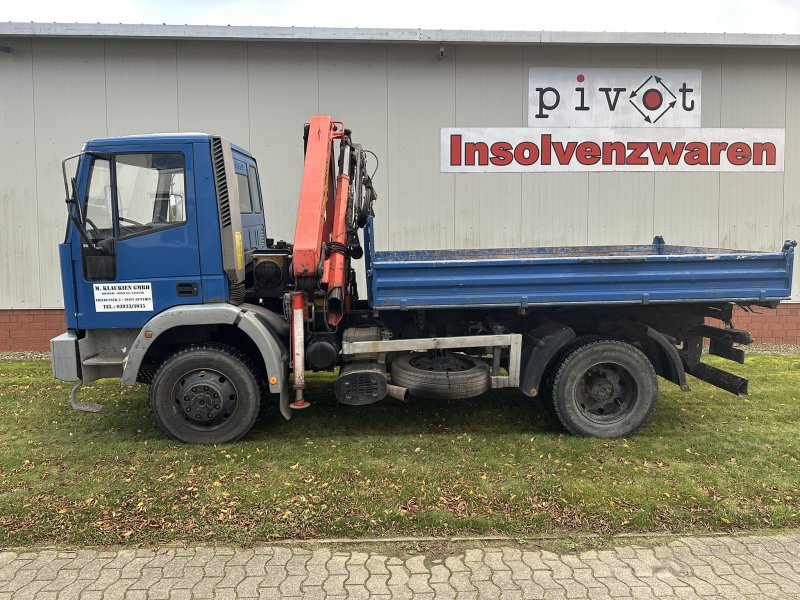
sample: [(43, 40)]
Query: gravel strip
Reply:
[(785, 349), (30, 355)]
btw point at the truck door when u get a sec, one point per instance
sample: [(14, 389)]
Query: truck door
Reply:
[(139, 214)]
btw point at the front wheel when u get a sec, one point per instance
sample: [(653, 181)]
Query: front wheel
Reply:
[(604, 388), (206, 394)]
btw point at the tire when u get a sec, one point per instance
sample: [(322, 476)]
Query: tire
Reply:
[(546, 385), (604, 388), (428, 376), (206, 394)]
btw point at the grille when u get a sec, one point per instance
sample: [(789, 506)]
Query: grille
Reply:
[(221, 182), (146, 375), (364, 386)]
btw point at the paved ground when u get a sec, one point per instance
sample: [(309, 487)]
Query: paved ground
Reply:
[(707, 567)]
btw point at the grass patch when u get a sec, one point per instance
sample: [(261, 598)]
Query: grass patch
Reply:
[(708, 461)]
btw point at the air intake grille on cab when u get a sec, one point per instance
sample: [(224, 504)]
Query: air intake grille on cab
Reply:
[(221, 182)]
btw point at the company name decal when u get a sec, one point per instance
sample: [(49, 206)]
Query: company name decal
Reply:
[(528, 150)]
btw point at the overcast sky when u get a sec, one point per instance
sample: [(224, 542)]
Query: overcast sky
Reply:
[(736, 16)]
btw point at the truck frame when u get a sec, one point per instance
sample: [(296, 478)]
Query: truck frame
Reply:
[(169, 279)]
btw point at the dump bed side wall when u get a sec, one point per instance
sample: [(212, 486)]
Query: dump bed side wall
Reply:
[(405, 280)]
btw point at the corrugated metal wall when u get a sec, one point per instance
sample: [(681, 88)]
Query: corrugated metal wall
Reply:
[(54, 94)]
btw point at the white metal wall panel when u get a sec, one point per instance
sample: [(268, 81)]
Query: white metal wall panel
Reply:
[(284, 93), (396, 97), (686, 208), (213, 89), (141, 87), (620, 209), (421, 100), (70, 107), (19, 233)]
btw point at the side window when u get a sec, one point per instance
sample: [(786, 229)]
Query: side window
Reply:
[(151, 192), (98, 215), (245, 203), (255, 189)]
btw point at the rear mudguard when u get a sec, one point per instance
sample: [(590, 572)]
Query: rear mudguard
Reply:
[(539, 347)]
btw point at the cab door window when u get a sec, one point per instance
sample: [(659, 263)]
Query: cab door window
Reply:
[(151, 192), (98, 215)]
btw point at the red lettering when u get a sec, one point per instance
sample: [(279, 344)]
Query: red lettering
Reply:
[(615, 148), (546, 145), (739, 154), (764, 150), (501, 154), (479, 149), (588, 153), (564, 153), (716, 150), (455, 150), (696, 154), (526, 153), (635, 155), (665, 150)]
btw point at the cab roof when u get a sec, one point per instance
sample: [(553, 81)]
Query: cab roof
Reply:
[(150, 139)]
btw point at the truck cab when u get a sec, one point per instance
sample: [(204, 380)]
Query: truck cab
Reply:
[(152, 220)]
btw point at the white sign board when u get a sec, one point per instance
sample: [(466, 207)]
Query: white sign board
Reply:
[(578, 97), (123, 297), (527, 150)]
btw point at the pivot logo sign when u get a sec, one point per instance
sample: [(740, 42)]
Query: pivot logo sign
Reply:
[(575, 97)]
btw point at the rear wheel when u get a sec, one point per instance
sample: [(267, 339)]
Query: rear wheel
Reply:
[(206, 394), (604, 388)]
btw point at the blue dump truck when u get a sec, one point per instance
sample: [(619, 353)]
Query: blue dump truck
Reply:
[(169, 279)]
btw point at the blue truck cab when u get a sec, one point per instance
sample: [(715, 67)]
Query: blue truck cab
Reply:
[(169, 279), (149, 207)]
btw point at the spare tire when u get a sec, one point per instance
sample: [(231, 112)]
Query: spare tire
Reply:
[(441, 377)]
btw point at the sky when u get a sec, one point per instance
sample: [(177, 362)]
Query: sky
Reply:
[(732, 16)]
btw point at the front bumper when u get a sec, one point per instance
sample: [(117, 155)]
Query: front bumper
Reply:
[(66, 361)]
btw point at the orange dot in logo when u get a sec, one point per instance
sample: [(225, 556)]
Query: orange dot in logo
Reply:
[(273, 380)]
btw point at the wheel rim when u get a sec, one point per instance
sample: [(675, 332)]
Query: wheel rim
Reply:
[(450, 363), (606, 393), (205, 399)]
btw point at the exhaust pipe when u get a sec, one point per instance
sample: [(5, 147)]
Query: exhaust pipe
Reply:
[(719, 378), (397, 392)]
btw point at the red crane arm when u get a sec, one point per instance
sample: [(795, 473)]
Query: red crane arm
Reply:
[(317, 197)]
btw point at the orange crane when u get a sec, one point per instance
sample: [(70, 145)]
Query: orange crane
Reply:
[(331, 201)]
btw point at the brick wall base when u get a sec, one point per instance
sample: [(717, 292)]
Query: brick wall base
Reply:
[(779, 326), (22, 330)]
